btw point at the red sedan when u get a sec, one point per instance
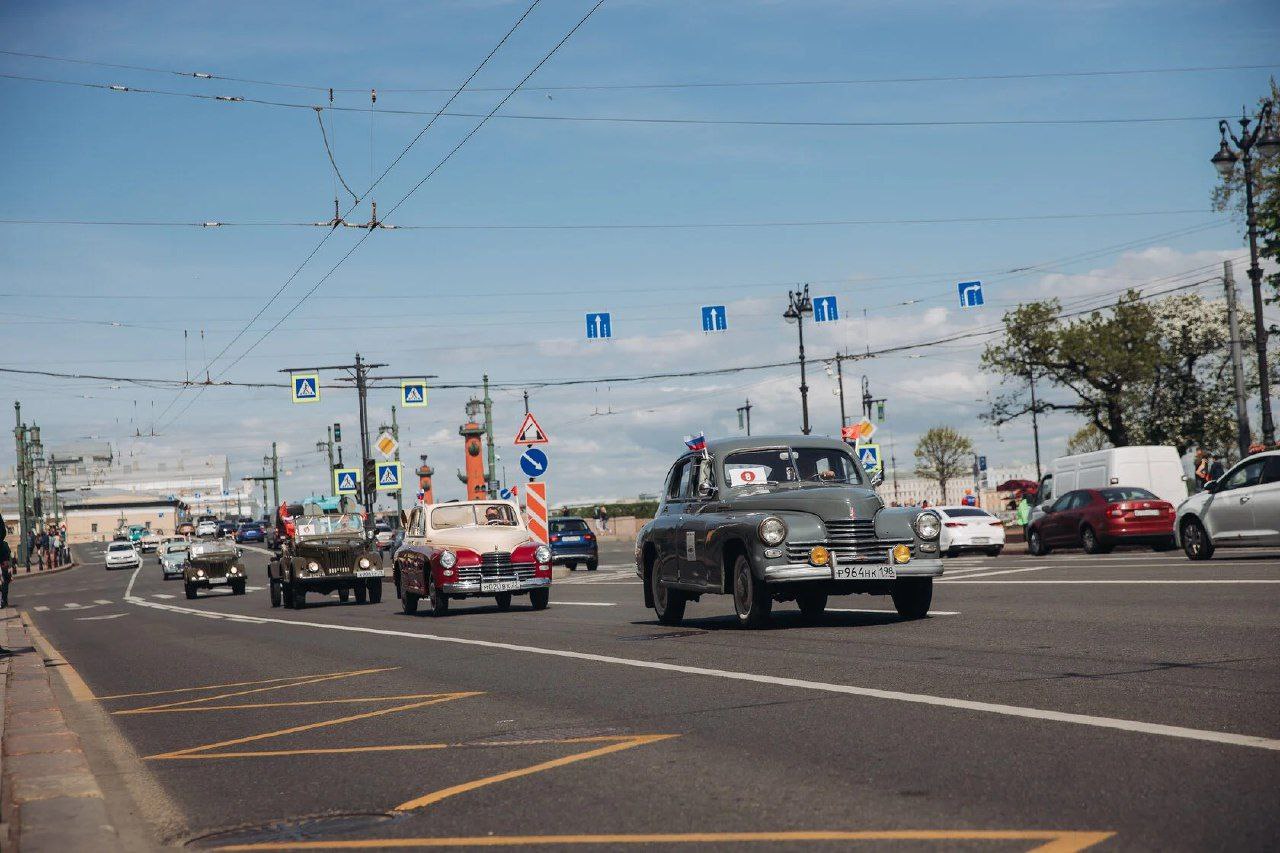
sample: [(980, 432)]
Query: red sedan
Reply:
[(1097, 520)]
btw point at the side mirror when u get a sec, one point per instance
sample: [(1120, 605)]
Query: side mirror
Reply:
[(239, 552), (1047, 509), (706, 490), (877, 478), (1213, 486)]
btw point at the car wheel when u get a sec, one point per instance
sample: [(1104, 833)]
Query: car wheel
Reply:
[(539, 598), (409, 601), (668, 603), (1035, 544), (503, 600), (912, 596), (1196, 543), (995, 552), (571, 566), (190, 590), (299, 599), (751, 600), (361, 596), (592, 565), (1090, 542), (375, 590), (439, 601), (812, 604), (344, 595), (237, 587), (275, 592), (286, 594)]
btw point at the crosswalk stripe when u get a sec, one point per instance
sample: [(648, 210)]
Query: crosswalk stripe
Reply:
[(162, 595), (101, 601), (40, 608)]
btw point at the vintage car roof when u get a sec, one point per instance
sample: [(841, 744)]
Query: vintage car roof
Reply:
[(721, 446), (470, 503)]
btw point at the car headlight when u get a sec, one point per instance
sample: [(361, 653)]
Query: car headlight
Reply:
[(927, 525), (773, 531), (448, 559), (199, 573), (364, 563), (313, 566), (542, 554)]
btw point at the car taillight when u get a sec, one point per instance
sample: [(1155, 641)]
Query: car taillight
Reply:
[(954, 524), (588, 536), (1115, 512), (555, 538), (996, 523)]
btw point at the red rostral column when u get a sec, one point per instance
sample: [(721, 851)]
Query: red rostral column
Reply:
[(471, 433), (424, 481)]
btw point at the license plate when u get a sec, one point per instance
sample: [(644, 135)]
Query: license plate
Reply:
[(217, 580), (863, 573), (369, 573), (1146, 512), (571, 539), (499, 586), (981, 540)]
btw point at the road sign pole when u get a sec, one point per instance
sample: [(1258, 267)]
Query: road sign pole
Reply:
[(395, 433), (367, 490)]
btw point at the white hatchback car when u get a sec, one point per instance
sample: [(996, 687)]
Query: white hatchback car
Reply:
[(1240, 508), (123, 555), (969, 528)]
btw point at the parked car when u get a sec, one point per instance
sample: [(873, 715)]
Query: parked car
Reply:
[(1240, 508), (969, 528), (251, 531), (782, 518), (1156, 468), (207, 527), (572, 542), (324, 553), (122, 555), (173, 559), (211, 564), (1098, 520), (470, 549)]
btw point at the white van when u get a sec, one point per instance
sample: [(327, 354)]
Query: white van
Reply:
[(1156, 468)]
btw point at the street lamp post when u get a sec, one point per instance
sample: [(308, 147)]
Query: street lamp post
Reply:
[(798, 305), (1258, 132)]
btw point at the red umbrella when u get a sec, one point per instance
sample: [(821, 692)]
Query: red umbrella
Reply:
[(1019, 486)]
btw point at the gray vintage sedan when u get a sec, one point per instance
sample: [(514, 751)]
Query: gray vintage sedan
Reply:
[(782, 518)]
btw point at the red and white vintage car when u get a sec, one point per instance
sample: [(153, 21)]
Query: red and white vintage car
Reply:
[(470, 549)]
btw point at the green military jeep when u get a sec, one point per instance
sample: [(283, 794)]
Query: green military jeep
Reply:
[(211, 564), (325, 554)]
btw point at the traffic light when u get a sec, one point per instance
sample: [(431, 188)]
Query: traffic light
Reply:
[(370, 471), (880, 412), (337, 433)]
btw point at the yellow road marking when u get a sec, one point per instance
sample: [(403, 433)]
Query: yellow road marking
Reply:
[(75, 684), (453, 790), (196, 751), (308, 680), (295, 703), (235, 684), (1056, 841)]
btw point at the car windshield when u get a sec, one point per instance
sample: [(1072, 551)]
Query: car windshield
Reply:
[(569, 525), (776, 465), (120, 546), (175, 548), (327, 525), (466, 515), (966, 512), (1127, 493), (210, 549)]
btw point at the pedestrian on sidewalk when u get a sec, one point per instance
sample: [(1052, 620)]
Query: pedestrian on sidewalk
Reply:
[(1202, 469), (1216, 469), (6, 572), (1023, 514)]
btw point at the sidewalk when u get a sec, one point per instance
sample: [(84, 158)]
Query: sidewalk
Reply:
[(49, 800)]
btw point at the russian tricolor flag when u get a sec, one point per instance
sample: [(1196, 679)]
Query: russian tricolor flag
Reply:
[(696, 442)]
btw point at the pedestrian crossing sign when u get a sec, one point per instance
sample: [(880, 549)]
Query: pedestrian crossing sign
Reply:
[(869, 456), (346, 481), (413, 393), (306, 387), (388, 476)]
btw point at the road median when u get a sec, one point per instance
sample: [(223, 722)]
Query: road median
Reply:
[(48, 794)]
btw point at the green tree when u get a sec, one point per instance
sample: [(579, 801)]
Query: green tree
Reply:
[(1086, 440), (942, 455), (1229, 195), (1140, 372)]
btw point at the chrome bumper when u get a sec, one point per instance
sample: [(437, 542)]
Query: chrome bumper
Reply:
[(473, 587), (786, 572)]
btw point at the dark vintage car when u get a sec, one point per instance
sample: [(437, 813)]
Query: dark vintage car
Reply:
[(325, 554), (782, 518), (213, 564), (470, 549)]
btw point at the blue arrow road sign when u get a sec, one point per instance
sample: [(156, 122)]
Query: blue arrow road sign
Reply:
[(598, 326), (970, 294), (505, 494), (825, 309), (714, 318), (534, 462)]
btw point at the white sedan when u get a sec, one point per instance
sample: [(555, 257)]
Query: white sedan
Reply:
[(123, 555), (969, 528)]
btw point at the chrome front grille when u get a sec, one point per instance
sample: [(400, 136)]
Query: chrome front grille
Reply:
[(495, 566), (852, 541)]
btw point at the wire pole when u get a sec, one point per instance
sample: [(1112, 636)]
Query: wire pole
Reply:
[(488, 431), (367, 486), (275, 476), (1035, 418)]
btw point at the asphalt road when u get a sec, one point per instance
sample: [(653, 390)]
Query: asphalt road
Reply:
[(1127, 701)]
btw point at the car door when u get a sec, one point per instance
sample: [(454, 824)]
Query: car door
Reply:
[(410, 560), (668, 524), (703, 515), (1266, 503), (1229, 515), (1052, 526)]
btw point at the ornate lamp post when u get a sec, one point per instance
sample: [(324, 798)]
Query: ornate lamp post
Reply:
[(1260, 133), (798, 305)]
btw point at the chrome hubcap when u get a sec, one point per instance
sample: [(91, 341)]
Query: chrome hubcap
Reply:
[(742, 592)]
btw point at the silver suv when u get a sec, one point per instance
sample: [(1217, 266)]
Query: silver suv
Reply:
[(1240, 508)]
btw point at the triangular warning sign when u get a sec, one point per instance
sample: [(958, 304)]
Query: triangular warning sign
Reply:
[(530, 431), (413, 394), (389, 477)]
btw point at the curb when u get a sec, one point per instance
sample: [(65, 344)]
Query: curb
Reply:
[(65, 568), (49, 797)]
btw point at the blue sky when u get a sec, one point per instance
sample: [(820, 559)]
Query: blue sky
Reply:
[(462, 302)]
